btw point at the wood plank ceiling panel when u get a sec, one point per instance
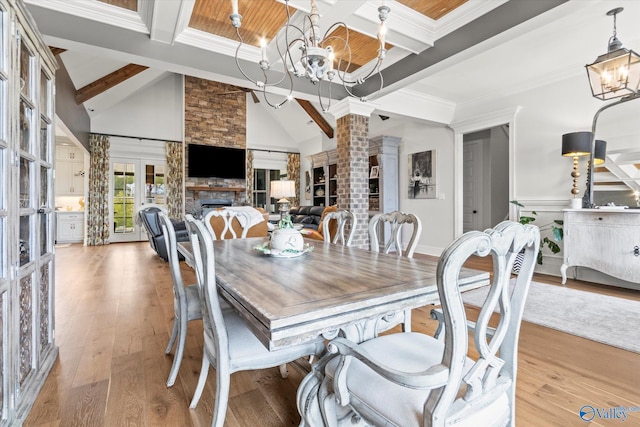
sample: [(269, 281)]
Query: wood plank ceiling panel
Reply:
[(126, 4), (362, 47), (434, 9), (260, 18)]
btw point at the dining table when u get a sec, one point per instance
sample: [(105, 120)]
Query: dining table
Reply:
[(327, 290)]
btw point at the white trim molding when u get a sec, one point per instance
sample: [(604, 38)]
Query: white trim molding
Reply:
[(477, 123)]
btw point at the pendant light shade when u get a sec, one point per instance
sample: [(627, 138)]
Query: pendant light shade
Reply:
[(601, 152)]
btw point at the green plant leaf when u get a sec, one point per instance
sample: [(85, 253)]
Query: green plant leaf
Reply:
[(526, 219)]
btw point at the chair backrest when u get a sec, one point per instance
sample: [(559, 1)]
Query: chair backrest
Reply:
[(205, 267), (236, 223), (494, 371), (172, 253), (343, 218), (395, 220), (149, 217)]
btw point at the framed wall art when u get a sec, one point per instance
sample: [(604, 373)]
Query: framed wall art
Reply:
[(422, 175)]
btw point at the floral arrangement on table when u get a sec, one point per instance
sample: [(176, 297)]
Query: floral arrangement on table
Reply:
[(285, 222)]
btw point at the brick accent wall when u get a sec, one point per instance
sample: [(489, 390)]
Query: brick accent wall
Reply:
[(213, 117), (353, 172)]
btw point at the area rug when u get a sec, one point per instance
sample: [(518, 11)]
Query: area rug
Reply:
[(602, 318)]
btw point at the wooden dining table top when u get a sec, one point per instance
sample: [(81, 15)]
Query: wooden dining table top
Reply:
[(290, 300)]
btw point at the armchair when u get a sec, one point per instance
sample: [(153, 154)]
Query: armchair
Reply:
[(432, 383), (151, 221)]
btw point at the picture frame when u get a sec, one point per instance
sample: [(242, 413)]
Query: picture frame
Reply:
[(422, 175), (375, 171)]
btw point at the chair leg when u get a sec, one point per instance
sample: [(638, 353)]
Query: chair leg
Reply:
[(223, 383), (202, 380), (174, 334), (284, 373), (177, 358), (406, 326)]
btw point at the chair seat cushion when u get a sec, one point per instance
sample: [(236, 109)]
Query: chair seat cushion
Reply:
[(247, 352), (407, 352)]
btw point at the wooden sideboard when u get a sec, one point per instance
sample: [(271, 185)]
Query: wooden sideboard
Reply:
[(606, 240)]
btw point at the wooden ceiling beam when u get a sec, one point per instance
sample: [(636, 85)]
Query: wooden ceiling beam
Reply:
[(107, 82), (316, 116), (56, 50)]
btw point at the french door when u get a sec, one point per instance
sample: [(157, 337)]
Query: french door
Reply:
[(134, 184)]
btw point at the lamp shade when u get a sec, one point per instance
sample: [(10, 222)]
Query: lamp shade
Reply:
[(601, 152), (283, 189), (576, 144)]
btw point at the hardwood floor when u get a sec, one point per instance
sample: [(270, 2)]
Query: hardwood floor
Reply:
[(114, 311)]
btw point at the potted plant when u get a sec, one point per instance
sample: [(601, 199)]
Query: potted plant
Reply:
[(556, 227)]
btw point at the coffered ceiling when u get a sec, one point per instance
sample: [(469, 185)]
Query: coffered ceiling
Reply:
[(441, 53)]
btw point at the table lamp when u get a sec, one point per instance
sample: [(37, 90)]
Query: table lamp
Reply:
[(575, 145), (281, 190)]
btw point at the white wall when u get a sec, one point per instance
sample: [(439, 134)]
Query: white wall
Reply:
[(155, 112), (436, 214)]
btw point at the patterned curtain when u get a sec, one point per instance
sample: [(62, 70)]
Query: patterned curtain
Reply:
[(250, 177), (293, 174), (174, 178), (98, 198)]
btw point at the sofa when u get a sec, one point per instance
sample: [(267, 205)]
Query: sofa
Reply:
[(308, 216), (311, 218), (149, 218)]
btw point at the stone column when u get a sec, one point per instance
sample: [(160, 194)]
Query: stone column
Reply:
[(352, 117)]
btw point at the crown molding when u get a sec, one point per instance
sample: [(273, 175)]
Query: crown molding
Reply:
[(97, 11)]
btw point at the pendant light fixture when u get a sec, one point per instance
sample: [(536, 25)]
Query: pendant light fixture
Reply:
[(616, 73)]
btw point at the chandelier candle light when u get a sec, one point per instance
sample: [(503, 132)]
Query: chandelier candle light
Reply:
[(306, 55)]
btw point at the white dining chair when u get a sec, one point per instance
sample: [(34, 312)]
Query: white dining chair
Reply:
[(343, 218), (431, 383), (186, 300), (227, 216), (390, 226), (229, 343)]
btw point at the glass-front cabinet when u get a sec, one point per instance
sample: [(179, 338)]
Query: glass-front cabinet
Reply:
[(27, 349)]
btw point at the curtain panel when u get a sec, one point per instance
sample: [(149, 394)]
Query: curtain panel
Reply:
[(174, 179), (293, 174), (98, 198), (250, 183)]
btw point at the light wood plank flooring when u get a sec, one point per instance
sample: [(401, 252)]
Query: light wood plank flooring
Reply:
[(114, 311)]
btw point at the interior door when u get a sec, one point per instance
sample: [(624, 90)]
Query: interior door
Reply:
[(134, 185), (472, 186)]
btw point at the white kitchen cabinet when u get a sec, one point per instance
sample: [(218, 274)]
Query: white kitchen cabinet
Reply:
[(604, 240), (69, 227), (69, 153), (69, 178)]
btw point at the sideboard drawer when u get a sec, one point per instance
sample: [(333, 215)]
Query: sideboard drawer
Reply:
[(604, 217), (604, 241)]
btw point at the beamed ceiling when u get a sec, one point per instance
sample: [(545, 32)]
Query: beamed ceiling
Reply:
[(441, 53)]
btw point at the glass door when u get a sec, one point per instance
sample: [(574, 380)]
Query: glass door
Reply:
[(135, 184)]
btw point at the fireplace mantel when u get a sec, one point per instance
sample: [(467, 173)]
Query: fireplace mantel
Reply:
[(197, 189)]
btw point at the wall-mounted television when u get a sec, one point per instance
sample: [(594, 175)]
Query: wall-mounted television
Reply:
[(208, 161)]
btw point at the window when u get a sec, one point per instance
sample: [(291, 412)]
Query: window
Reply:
[(261, 184)]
